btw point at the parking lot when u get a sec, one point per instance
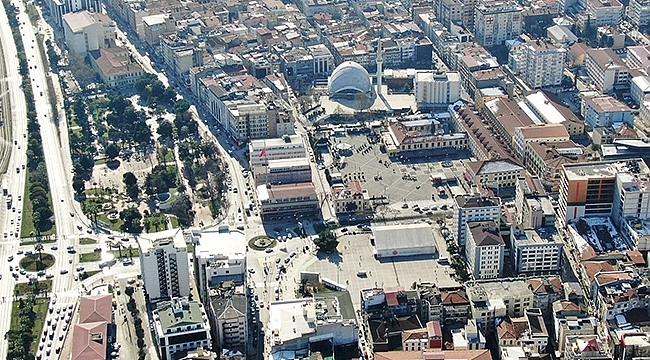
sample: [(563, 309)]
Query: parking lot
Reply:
[(355, 254)]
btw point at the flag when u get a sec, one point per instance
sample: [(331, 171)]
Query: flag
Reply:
[(263, 152)]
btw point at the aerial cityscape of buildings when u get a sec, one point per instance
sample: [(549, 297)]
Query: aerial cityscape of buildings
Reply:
[(325, 179)]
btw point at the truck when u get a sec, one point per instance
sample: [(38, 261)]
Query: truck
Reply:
[(9, 201), (5, 187)]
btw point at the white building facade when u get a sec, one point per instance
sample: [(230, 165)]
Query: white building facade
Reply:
[(496, 21), (164, 265), (474, 208), (484, 249), (436, 89)]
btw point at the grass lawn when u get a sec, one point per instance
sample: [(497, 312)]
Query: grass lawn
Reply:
[(27, 228), (174, 222), (125, 253), (40, 308), (167, 154), (26, 288), (190, 247), (30, 262), (90, 257), (87, 241), (115, 226), (86, 274)]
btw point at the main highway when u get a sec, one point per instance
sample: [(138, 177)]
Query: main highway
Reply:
[(10, 219)]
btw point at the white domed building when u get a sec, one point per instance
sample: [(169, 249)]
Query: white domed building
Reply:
[(350, 81)]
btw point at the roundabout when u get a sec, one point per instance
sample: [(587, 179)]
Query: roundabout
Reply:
[(31, 262), (261, 243)]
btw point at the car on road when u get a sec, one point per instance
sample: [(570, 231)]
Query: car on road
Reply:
[(252, 271), (277, 260), (64, 271), (80, 268), (19, 252), (10, 258), (268, 250), (49, 276), (54, 247)]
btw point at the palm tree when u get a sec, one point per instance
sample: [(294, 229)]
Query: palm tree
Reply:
[(39, 248), (119, 248), (131, 252)]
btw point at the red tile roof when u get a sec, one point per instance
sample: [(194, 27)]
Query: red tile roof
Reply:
[(89, 341), (456, 297), (96, 308), (434, 329)]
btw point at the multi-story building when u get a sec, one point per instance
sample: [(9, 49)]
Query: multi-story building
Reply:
[(547, 133), (484, 249), (531, 201), (293, 323), (640, 88), (278, 161), (604, 12), (351, 199), (58, 8), (496, 21), (302, 66), (606, 69), (571, 319), (180, 54), (435, 89), (546, 291), (638, 12), (605, 111), (538, 63), (505, 115), (86, 31), (536, 252), (470, 208), (495, 173), (180, 325), (589, 189), (228, 316), (585, 347), (546, 160), (115, 67), (638, 58), (527, 331), (632, 198), (410, 136), (449, 12), (164, 264), (617, 292), (296, 199), (497, 299), (219, 255), (552, 112)]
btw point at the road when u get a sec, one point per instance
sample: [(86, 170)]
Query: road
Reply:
[(10, 219)]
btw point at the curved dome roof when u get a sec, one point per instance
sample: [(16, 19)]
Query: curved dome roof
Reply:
[(349, 77)]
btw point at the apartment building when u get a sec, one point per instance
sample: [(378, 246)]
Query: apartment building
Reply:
[(219, 256), (631, 197), (606, 69), (301, 66), (58, 8), (589, 189), (497, 299), (496, 21), (470, 208), (436, 89), (547, 133), (604, 12), (533, 206), (585, 347), (495, 173), (640, 88), (164, 264), (571, 319), (538, 63), (484, 249), (86, 31), (449, 12), (550, 111), (536, 251), (638, 12), (546, 160), (228, 309), (180, 54), (180, 325), (546, 291), (606, 111), (638, 58)]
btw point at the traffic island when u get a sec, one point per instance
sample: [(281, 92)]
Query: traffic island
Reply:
[(261, 243), (33, 262)]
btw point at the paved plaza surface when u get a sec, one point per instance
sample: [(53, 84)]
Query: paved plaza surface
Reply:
[(355, 253), (399, 180)]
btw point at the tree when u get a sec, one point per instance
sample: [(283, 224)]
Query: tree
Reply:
[(182, 209), (131, 217), (326, 241), (128, 291), (112, 151), (39, 249), (129, 179), (166, 130)]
